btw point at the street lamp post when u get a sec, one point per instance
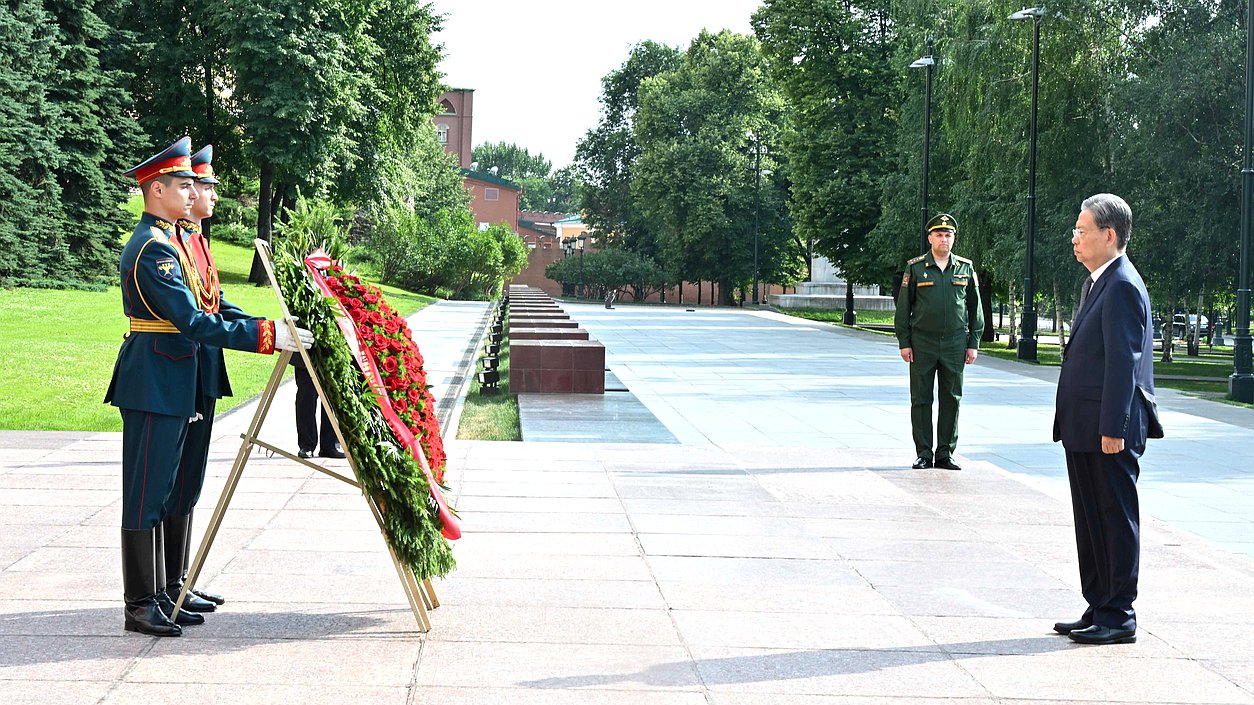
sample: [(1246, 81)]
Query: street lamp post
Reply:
[(568, 247), (1027, 335), (1241, 383), (757, 205), (926, 62), (582, 288)]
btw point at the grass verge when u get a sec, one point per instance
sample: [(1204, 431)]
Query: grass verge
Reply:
[(491, 417), (59, 348)]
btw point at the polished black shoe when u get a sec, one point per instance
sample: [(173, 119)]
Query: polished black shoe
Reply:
[(947, 464), (139, 581), (210, 597), (1100, 636), (921, 463), (1068, 627), (186, 617), (332, 452), (305, 453)]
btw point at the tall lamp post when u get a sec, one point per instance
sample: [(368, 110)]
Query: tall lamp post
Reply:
[(1241, 383), (1027, 335), (568, 248), (757, 205), (582, 289), (926, 62)]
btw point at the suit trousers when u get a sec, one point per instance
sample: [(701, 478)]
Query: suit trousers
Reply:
[(152, 447), (1107, 533), (308, 435), (937, 366), (191, 475)]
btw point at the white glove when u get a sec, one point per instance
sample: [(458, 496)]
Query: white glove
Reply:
[(283, 337)]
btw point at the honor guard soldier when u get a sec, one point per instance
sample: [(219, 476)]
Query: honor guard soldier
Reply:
[(212, 384), (938, 324), (155, 377)]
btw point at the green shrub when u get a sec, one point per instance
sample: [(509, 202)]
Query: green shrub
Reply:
[(233, 233)]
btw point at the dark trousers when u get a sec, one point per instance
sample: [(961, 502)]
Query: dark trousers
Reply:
[(191, 475), (152, 447), (939, 367), (1107, 534), (308, 435)]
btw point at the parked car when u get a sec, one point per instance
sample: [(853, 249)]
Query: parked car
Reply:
[(1182, 326)]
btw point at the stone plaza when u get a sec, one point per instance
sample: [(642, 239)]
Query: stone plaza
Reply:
[(733, 522)]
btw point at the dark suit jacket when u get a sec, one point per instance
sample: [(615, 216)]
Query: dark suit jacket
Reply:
[(1106, 387)]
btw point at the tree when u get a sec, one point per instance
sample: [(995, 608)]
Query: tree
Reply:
[(831, 59), (606, 155), (695, 176)]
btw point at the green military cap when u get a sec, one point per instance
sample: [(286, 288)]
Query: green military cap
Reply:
[(942, 221)]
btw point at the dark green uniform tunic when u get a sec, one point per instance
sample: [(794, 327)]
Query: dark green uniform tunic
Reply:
[(939, 317)]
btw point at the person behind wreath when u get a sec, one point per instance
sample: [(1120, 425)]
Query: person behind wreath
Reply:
[(938, 325)]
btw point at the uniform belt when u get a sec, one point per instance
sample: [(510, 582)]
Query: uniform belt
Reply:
[(142, 325)]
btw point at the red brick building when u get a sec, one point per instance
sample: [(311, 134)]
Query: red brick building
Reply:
[(492, 199), (454, 121)]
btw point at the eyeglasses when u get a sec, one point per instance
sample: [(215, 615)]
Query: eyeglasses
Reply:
[(1076, 232)]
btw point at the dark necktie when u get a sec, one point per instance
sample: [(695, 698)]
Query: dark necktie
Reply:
[(1084, 294)]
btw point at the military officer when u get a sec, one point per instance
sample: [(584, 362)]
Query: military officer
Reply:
[(212, 384), (154, 380), (938, 324)]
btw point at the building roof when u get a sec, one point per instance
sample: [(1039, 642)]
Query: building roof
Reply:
[(491, 179)]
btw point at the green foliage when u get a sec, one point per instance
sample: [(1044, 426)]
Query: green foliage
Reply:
[(605, 157), (829, 59), (543, 190), (696, 176), (64, 141), (612, 269), (444, 251)]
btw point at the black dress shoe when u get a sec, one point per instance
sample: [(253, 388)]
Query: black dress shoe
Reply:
[(186, 617), (1068, 627), (333, 452), (305, 453), (1101, 636), (921, 463), (948, 464)]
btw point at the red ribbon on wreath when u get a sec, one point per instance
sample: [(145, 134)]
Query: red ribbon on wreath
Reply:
[(316, 263)]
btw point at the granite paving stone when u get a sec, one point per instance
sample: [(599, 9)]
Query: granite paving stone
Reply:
[(752, 536)]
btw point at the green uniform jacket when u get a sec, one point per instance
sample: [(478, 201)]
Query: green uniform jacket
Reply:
[(935, 305)]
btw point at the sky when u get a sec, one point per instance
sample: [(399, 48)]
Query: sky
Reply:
[(536, 65)]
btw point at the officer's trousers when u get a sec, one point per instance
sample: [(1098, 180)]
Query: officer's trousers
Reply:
[(936, 366), (191, 475), (152, 447)]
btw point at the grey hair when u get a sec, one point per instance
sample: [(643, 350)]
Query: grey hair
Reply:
[(1111, 211)]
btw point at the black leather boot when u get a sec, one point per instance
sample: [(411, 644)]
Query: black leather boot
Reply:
[(187, 555), (139, 585), (185, 618), (177, 531)]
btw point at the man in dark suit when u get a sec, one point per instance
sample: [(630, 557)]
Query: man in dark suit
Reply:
[(1105, 410)]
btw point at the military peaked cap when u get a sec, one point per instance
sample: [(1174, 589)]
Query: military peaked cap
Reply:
[(942, 221), (202, 164), (175, 160)]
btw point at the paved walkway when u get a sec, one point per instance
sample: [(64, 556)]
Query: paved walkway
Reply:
[(780, 553)]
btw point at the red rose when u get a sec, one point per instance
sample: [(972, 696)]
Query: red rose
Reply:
[(380, 341), (414, 394), (391, 325), (389, 364), (376, 318), (358, 316), (400, 405), (371, 298)]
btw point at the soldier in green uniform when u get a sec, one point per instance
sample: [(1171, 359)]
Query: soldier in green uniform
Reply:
[(938, 323)]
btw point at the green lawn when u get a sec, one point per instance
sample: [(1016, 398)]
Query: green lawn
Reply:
[(491, 417), (58, 349), (830, 316)]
